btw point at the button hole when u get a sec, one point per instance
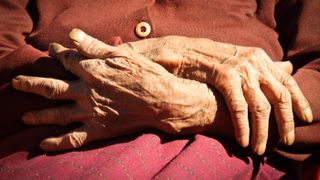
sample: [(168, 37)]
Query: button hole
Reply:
[(143, 29)]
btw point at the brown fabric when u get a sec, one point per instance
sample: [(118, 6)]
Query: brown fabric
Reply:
[(30, 61), (250, 23), (15, 24), (299, 30)]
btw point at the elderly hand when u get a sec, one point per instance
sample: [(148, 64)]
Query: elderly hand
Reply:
[(120, 94), (248, 79)]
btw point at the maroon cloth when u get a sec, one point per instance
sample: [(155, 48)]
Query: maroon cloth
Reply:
[(138, 157), (287, 29)]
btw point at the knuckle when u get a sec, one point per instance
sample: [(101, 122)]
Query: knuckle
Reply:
[(284, 96), (288, 80), (239, 108), (225, 77), (262, 109), (75, 140), (288, 122)]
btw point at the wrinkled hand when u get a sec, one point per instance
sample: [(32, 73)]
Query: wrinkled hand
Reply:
[(117, 95), (248, 79)]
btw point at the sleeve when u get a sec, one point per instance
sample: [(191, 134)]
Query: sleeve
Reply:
[(15, 24), (16, 58), (298, 25)]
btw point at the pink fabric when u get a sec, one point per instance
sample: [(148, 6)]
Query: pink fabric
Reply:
[(207, 158), (150, 155)]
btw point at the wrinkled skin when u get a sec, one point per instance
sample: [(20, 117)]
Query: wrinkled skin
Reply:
[(247, 78), (118, 95)]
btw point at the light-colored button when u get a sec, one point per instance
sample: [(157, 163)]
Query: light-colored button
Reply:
[(143, 29)]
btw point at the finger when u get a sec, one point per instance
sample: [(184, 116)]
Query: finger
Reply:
[(71, 140), (69, 58), (230, 87), (89, 46), (285, 66), (280, 98), (300, 103), (61, 115), (92, 130), (259, 108), (48, 87)]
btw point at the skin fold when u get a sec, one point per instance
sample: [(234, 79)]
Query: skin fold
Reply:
[(161, 83)]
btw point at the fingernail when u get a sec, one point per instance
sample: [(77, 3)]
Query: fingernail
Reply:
[(259, 149), (15, 83), (77, 36), (28, 118), (288, 139), (307, 115), (20, 77)]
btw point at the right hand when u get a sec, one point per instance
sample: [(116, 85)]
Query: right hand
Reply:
[(247, 78)]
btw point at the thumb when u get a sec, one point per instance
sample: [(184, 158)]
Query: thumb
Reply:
[(285, 66), (89, 46)]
